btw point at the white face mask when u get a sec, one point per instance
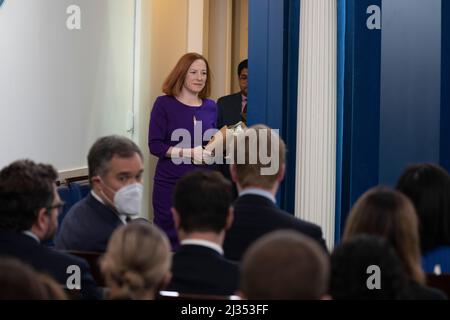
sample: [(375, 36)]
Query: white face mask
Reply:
[(128, 199)]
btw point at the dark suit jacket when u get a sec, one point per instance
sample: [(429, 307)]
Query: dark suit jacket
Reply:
[(228, 113), (200, 270), (47, 260), (254, 216), (229, 110), (87, 226)]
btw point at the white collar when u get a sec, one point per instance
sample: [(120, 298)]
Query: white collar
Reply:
[(31, 235), (122, 217), (204, 243), (97, 197), (259, 192)]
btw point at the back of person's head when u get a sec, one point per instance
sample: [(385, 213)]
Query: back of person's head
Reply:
[(389, 214), (202, 201), (104, 149), (284, 265), (137, 261), (259, 157), (428, 187), (19, 281), (25, 188), (174, 82), (53, 289), (242, 65), (366, 267)]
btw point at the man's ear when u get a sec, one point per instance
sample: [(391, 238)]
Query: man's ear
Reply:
[(230, 218), (41, 220), (95, 181), (176, 218), (281, 173)]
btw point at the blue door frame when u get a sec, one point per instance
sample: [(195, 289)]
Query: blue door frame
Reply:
[(273, 76)]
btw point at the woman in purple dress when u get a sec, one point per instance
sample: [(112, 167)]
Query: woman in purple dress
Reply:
[(181, 122)]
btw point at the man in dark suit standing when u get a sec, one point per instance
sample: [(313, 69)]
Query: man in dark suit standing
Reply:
[(202, 213), (230, 110), (29, 207), (115, 173), (257, 178), (233, 108)]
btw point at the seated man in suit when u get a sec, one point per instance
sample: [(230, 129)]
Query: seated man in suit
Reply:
[(285, 265), (202, 213), (115, 173), (29, 207), (233, 108), (258, 169)]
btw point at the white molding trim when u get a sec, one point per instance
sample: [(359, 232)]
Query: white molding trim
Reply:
[(72, 173), (195, 26), (316, 120)]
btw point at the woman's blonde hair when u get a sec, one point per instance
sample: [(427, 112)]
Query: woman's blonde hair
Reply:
[(390, 215), (53, 289), (136, 261), (173, 84)]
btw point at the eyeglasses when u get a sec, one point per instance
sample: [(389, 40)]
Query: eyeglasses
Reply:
[(58, 206)]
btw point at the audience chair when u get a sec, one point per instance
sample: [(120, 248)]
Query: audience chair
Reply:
[(81, 188), (69, 196), (93, 259)]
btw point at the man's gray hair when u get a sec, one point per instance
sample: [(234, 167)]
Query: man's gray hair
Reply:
[(104, 149)]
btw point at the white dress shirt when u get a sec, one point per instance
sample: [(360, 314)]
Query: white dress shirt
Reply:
[(122, 217), (204, 243), (259, 192), (31, 235)]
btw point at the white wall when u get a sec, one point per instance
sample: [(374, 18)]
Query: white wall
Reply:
[(195, 26), (219, 46), (62, 89), (162, 41)]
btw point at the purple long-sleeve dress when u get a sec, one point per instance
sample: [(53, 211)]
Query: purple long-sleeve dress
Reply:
[(167, 116)]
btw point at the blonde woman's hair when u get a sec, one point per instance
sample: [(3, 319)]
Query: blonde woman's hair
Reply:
[(53, 289), (391, 215), (136, 261)]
